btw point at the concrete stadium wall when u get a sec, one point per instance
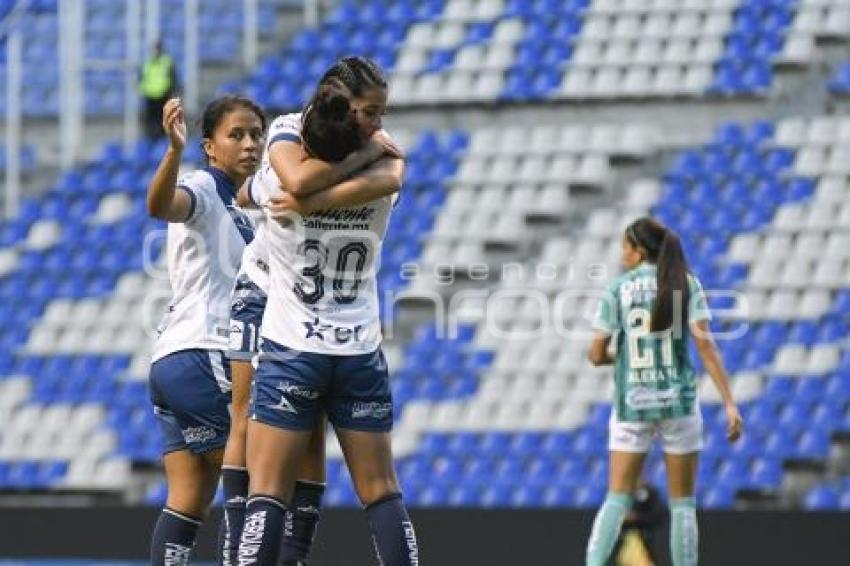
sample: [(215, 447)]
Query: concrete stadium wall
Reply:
[(447, 537)]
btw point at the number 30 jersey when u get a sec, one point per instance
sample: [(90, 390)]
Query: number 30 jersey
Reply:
[(653, 375), (323, 293)]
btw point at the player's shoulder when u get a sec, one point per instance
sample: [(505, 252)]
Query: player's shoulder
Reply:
[(617, 283), (286, 121), (198, 179)]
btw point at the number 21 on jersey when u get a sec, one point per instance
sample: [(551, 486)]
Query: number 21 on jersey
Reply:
[(641, 353)]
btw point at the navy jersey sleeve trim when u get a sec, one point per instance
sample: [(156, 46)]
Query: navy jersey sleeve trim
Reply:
[(193, 198), (251, 191), (285, 137)]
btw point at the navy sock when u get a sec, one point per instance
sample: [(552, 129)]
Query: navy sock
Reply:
[(262, 531), (235, 485), (392, 532), (302, 521), (173, 538)]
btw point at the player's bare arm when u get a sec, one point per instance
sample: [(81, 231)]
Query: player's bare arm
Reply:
[(381, 179), (599, 354), (164, 201), (707, 350), (302, 177)]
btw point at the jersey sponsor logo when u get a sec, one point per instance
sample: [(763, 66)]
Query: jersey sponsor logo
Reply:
[(198, 434), (252, 536), (340, 334), (371, 410), (362, 214), (644, 398), (177, 554)]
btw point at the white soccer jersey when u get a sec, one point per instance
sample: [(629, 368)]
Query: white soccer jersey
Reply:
[(255, 258), (323, 296), (203, 254)]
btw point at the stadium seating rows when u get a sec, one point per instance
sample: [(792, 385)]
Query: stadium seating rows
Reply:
[(442, 51), (786, 371), (478, 50), (220, 24)]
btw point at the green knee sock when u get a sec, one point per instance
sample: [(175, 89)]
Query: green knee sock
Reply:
[(606, 527), (684, 535)]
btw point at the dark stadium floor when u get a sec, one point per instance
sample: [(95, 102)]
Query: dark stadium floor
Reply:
[(80, 562)]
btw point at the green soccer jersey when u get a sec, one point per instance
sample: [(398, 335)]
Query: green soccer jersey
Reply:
[(653, 375)]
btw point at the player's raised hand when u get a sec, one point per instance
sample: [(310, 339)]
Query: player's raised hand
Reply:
[(174, 123), (381, 139), (734, 422)]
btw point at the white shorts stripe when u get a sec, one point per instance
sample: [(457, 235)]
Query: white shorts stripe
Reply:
[(217, 364)]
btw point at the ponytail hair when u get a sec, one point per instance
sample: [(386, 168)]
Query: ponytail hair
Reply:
[(329, 129), (664, 248)]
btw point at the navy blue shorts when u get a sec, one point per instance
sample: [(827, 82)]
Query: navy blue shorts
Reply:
[(291, 388), (246, 318), (190, 392)]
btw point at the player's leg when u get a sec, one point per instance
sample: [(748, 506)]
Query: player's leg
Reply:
[(234, 473), (246, 316), (628, 444), (284, 411), (370, 462), (307, 497), (186, 389), (192, 481), (682, 442), (360, 408)]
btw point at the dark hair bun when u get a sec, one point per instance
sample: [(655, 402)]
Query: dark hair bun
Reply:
[(333, 105)]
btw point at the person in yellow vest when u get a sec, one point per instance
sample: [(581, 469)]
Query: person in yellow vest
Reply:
[(158, 83)]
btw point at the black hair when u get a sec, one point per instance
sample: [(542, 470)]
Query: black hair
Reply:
[(357, 74), (219, 107), (330, 130), (664, 249)]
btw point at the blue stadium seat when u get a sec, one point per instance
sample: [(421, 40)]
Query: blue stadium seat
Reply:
[(838, 387), (464, 496), (779, 388), (813, 445), (765, 474), (794, 417), (840, 82), (822, 498), (718, 497)]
